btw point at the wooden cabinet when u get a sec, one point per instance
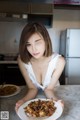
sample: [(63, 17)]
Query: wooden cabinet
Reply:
[(25, 8), (39, 10), (10, 74), (14, 7), (1, 73), (45, 9)]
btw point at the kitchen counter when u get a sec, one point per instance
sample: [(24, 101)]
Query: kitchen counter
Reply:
[(8, 62), (69, 93)]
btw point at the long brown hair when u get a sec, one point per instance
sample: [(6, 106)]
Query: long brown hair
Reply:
[(27, 32)]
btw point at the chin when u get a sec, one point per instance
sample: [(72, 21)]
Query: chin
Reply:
[(38, 57)]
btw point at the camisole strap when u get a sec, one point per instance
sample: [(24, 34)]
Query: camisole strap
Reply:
[(51, 68), (31, 73)]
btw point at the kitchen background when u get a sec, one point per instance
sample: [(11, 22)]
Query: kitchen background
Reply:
[(62, 19), (10, 31)]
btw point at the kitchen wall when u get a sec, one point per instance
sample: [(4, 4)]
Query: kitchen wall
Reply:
[(10, 36), (64, 19), (10, 31)]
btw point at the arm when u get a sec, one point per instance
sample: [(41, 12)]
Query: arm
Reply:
[(32, 90), (55, 77)]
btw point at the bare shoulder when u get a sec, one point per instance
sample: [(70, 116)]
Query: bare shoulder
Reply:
[(19, 59), (20, 62), (61, 61)]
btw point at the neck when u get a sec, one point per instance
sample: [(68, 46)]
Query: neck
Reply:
[(39, 60)]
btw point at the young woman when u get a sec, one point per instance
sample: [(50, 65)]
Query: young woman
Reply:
[(40, 67)]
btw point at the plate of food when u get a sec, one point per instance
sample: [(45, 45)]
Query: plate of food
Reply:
[(40, 109), (8, 90)]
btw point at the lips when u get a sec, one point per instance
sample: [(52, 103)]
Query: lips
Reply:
[(35, 53)]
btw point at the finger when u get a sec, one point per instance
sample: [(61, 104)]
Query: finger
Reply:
[(62, 103), (16, 109), (54, 99), (17, 106)]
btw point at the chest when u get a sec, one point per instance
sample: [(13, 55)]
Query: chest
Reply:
[(40, 71)]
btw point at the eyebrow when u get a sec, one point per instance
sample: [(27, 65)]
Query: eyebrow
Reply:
[(35, 41)]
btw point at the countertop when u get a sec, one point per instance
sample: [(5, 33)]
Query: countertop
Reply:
[(8, 62), (70, 94)]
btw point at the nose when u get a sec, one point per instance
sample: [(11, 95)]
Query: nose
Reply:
[(34, 48)]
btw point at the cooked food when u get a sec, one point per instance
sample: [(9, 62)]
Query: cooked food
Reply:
[(40, 108), (7, 90)]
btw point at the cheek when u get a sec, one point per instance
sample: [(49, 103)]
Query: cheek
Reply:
[(42, 46), (28, 49)]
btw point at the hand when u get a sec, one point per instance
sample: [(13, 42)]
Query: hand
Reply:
[(61, 102), (18, 104)]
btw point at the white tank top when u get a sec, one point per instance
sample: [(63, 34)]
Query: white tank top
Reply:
[(50, 69)]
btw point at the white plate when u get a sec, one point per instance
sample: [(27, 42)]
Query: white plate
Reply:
[(16, 92), (55, 116)]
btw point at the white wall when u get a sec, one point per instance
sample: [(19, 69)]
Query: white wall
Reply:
[(64, 19)]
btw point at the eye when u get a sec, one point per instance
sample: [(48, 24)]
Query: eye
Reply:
[(27, 45), (38, 41)]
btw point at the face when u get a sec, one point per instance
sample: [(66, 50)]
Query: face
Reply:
[(36, 46)]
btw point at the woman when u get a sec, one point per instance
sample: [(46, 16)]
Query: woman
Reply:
[(40, 67)]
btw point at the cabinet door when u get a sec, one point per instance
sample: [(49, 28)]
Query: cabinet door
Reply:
[(14, 7), (13, 75), (1, 74), (44, 9)]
